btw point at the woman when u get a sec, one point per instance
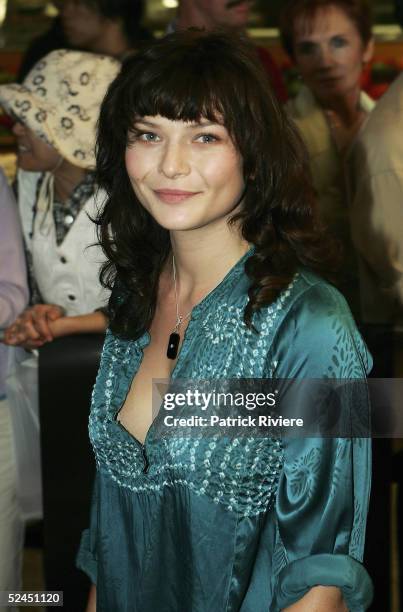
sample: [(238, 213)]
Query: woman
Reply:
[(56, 109), (330, 41), (209, 226)]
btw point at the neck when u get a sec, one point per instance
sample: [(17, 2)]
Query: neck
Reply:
[(113, 41), (347, 107), (203, 260), (67, 177)]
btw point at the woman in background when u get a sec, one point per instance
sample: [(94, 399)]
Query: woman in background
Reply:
[(213, 250), (56, 109), (330, 41)]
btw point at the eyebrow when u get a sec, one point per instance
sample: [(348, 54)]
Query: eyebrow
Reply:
[(302, 40), (192, 125)]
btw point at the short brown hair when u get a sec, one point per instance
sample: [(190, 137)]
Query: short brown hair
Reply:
[(358, 11)]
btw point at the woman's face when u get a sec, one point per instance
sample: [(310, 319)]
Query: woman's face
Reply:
[(329, 53), (187, 175), (33, 154)]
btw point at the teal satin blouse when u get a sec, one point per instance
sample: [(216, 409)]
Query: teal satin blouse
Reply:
[(241, 524)]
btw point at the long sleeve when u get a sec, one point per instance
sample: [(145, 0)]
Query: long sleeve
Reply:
[(374, 176), (324, 487), (376, 222), (13, 275)]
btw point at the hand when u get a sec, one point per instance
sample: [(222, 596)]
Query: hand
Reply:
[(33, 327)]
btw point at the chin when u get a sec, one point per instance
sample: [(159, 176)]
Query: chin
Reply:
[(177, 226), (328, 92), (182, 223), (27, 166)]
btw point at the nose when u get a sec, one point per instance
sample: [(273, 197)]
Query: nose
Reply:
[(325, 57), (174, 160), (18, 129)]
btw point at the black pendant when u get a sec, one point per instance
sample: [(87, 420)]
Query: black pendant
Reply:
[(173, 345)]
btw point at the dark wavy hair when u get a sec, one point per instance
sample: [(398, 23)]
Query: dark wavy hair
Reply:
[(188, 76), (358, 11)]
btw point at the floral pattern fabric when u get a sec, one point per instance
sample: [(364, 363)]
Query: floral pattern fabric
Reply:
[(59, 101)]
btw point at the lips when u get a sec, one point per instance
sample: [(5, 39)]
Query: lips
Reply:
[(172, 196), (242, 8), (328, 78)]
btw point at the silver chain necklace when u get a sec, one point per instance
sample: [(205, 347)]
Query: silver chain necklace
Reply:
[(174, 338)]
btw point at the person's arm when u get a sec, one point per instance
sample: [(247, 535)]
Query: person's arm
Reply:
[(13, 274), (323, 491), (376, 214), (92, 599), (319, 599), (91, 323), (374, 179)]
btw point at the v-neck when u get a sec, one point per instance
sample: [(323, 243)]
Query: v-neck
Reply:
[(223, 286)]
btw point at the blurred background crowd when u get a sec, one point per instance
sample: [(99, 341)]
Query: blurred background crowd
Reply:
[(335, 65)]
